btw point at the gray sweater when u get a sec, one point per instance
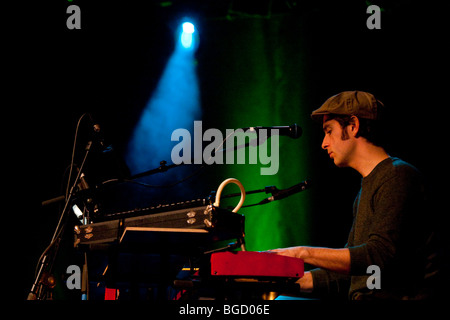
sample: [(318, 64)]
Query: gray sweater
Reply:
[(390, 230)]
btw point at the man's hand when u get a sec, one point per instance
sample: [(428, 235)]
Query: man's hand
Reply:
[(337, 260), (294, 252), (306, 283)]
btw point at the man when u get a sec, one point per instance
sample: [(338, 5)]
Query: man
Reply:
[(391, 229)]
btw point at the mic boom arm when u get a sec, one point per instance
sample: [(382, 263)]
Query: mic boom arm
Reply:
[(281, 194)]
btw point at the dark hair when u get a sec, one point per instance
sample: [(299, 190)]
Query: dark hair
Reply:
[(369, 129)]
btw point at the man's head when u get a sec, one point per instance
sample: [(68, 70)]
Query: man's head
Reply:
[(349, 119)]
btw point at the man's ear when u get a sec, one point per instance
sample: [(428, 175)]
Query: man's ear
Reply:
[(354, 126)]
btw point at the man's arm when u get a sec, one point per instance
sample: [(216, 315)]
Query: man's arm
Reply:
[(337, 260)]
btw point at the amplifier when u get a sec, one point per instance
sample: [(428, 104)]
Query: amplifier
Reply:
[(221, 223)]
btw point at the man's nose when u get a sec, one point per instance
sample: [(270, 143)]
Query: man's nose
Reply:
[(325, 143)]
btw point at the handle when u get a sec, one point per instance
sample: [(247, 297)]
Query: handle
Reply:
[(222, 185)]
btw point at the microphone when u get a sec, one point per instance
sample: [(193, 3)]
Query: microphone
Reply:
[(281, 194), (293, 131), (82, 185), (97, 137), (87, 195)]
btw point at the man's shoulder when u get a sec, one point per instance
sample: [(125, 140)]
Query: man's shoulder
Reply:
[(400, 166), (398, 170), (394, 168)]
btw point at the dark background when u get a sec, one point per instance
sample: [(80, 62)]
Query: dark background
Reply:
[(110, 66)]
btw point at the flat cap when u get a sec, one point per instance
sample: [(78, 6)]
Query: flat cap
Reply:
[(359, 103)]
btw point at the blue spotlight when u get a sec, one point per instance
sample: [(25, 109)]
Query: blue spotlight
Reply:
[(187, 37), (188, 27), (174, 104)]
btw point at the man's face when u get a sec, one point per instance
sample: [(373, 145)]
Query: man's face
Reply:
[(339, 150)]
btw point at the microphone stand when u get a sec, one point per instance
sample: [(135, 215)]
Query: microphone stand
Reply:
[(164, 167), (37, 292), (276, 194)]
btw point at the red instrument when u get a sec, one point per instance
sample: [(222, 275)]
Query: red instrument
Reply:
[(255, 264)]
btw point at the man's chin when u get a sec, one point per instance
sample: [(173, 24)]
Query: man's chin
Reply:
[(339, 164)]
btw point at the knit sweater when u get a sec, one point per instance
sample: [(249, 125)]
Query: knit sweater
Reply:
[(389, 230)]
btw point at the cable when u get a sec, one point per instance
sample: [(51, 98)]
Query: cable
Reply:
[(222, 186), (73, 152)]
